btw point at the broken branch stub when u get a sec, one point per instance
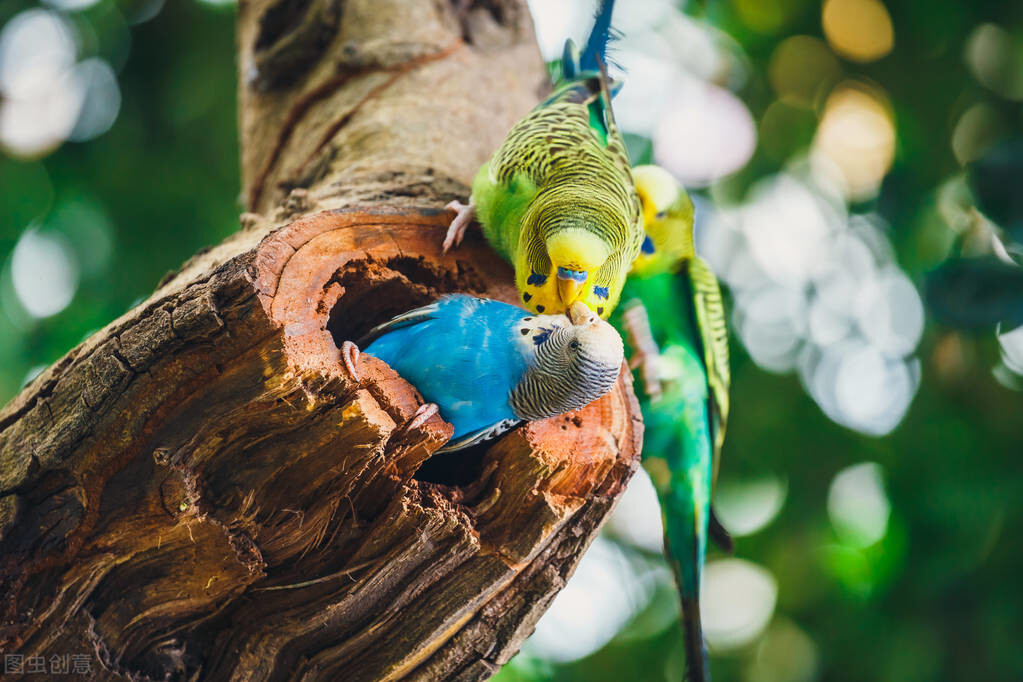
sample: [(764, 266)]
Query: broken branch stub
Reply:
[(199, 491)]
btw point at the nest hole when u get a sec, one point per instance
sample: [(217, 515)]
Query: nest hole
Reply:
[(458, 469), (417, 269), (376, 292), (367, 303)]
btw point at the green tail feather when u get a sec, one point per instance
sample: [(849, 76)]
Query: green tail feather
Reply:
[(685, 500), (678, 452), (686, 516), (697, 663)]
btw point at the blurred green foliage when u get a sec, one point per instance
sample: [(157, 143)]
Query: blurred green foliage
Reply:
[(162, 183), (939, 597)]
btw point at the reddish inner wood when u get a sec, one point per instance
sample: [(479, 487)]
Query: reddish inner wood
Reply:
[(332, 276)]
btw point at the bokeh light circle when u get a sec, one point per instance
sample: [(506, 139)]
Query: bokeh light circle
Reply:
[(860, 30), (44, 271), (857, 134), (705, 134), (737, 601)]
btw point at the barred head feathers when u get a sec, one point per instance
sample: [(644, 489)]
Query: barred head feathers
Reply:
[(574, 364), (580, 232)]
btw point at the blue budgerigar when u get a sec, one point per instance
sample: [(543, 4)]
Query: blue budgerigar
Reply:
[(488, 366)]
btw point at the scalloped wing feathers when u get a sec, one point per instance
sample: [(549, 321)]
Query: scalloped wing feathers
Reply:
[(563, 165)]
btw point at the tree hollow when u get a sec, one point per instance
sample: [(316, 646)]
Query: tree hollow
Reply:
[(199, 491)]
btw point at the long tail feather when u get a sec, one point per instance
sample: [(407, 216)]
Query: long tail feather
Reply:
[(719, 534), (686, 511), (685, 545), (685, 556), (697, 664), (595, 51)]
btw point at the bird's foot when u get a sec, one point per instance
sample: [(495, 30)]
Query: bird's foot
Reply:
[(649, 369), (463, 217), (421, 416), (350, 356), (646, 355)]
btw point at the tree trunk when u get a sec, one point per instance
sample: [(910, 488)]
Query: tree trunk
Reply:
[(198, 491)]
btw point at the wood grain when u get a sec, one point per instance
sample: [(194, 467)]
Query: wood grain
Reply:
[(198, 491)]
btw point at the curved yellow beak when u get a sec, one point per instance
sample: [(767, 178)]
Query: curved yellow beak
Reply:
[(569, 291)]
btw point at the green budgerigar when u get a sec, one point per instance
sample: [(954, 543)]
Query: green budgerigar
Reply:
[(557, 198), (685, 417)]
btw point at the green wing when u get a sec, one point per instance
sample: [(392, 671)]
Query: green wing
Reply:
[(570, 140), (500, 203), (710, 322), (572, 123)]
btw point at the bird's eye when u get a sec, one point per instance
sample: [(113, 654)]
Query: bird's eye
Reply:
[(574, 345)]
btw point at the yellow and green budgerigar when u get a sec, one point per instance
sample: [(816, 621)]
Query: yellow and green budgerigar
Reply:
[(667, 221), (686, 405), (557, 198)]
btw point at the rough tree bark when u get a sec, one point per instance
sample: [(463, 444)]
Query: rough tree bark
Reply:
[(198, 491)]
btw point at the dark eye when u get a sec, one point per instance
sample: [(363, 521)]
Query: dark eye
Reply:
[(574, 345)]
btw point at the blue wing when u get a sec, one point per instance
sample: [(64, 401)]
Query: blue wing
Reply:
[(461, 353), (412, 317)]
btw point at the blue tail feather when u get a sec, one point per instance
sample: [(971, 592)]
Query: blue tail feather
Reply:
[(570, 67), (593, 57), (595, 51)]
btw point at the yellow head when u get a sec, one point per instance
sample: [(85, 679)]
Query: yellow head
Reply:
[(575, 254), (570, 262), (667, 221)]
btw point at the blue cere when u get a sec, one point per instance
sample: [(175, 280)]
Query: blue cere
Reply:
[(536, 279), (577, 275)]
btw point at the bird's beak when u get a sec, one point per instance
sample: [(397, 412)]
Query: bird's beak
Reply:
[(581, 315), (569, 290)]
